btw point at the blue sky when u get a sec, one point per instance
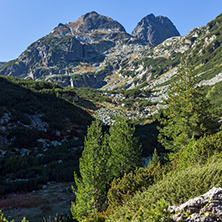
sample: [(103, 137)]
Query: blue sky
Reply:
[(24, 21)]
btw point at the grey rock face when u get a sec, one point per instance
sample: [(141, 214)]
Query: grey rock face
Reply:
[(51, 51), (205, 208), (155, 29), (90, 27)]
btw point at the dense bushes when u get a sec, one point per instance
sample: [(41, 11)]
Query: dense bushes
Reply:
[(27, 173), (22, 137), (201, 150), (127, 186), (157, 212), (91, 94), (175, 188)]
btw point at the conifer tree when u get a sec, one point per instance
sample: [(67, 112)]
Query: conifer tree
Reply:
[(125, 150), (92, 186), (104, 157), (188, 111)]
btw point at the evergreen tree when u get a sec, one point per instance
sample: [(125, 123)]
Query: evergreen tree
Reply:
[(125, 150), (94, 170), (188, 112), (104, 157)]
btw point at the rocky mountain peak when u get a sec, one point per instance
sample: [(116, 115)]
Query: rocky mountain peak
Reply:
[(155, 29), (93, 21)]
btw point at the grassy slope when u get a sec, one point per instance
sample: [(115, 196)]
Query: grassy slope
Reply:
[(175, 188)]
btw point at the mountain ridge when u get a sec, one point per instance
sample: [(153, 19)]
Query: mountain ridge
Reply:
[(59, 57), (114, 59)]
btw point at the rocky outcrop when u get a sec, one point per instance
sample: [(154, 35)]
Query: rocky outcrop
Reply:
[(155, 29), (50, 55), (205, 208)]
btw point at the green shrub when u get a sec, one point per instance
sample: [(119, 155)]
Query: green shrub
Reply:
[(127, 186), (23, 138), (129, 102), (144, 103), (156, 213), (175, 188), (201, 150), (132, 92)]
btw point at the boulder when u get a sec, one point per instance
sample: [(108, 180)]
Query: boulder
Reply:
[(205, 208)]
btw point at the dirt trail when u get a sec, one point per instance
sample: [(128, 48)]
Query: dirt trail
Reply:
[(44, 203)]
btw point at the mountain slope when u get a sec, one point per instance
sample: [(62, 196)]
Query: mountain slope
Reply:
[(2, 63), (96, 51), (158, 66), (79, 53), (40, 106)]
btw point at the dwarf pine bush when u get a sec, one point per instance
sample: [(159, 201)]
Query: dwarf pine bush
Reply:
[(175, 188)]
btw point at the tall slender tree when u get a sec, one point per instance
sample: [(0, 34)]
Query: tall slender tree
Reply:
[(92, 186), (124, 147), (188, 112)]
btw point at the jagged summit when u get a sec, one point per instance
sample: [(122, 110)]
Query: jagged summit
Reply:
[(155, 29), (89, 28), (93, 21), (94, 51), (89, 23)]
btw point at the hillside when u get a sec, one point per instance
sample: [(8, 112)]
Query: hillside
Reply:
[(203, 44), (41, 128)]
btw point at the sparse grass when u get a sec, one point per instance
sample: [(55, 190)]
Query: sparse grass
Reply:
[(84, 68)]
